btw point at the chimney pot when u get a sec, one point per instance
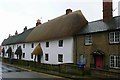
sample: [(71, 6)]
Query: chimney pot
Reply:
[(38, 22), (68, 11), (16, 33), (25, 29)]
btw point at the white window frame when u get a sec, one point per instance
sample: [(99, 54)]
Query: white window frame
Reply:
[(32, 45), (60, 43), (47, 44), (114, 37), (59, 57), (23, 55), (46, 57), (24, 45), (88, 39), (115, 63)]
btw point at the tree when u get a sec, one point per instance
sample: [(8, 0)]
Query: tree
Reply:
[(18, 52), (9, 51), (3, 52)]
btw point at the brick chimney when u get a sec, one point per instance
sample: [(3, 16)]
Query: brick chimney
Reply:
[(16, 33), (107, 10), (68, 11), (25, 29), (38, 22)]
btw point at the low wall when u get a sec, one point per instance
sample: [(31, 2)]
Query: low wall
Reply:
[(105, 74), (62, 68)]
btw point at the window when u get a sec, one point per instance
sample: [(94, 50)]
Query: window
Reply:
[(46, 57), (32, 45), (115, 61), (114, 37), (13, 46), (60, 57), (23, 45), (88, 40), (82, 59), (31, 56), (60, 43), (23, 55), (17, 46), (47, 44)]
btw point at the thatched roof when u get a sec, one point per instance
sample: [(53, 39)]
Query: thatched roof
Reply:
[(37, 50), (60, 27)]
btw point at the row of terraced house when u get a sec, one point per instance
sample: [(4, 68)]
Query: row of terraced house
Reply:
[(70, 38)]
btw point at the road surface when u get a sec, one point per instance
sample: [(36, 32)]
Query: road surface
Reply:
[(12, 73)]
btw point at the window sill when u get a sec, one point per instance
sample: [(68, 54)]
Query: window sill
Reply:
[(88, 44), (112, 43)]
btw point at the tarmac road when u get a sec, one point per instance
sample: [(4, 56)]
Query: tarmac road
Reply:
[(12, 73)]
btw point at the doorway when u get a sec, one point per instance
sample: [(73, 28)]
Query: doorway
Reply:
[(99, 62)]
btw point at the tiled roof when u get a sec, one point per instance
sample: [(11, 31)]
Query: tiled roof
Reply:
[(100, 26)]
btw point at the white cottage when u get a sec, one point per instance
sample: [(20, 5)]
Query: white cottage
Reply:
[(56, 37), (18, 40)]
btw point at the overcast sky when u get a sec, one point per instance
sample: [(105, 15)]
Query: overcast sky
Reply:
[(16, 14)]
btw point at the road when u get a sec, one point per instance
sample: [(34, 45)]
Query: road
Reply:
[(13, 73)]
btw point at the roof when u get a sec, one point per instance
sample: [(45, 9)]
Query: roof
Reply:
[(100, 26), (60, 27), (37, 50), (20, 38)]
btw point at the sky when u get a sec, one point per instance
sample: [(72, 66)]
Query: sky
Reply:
[(16, 14)]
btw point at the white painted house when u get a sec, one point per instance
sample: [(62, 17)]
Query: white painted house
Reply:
[(51, 42), (56, 37), (57, 51), (19, 40)]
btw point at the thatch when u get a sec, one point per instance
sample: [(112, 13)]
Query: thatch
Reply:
[(37, 50), (60, 27)]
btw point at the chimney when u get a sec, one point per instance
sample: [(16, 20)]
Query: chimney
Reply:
[(68, 11), (25, 29), (16, 33), (9, 35), (107, 10), (38, 22)]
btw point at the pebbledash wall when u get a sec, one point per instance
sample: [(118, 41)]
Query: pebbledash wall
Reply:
[(53, 50)]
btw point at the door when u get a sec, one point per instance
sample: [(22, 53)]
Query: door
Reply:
[(99, 62), (39, 58)]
